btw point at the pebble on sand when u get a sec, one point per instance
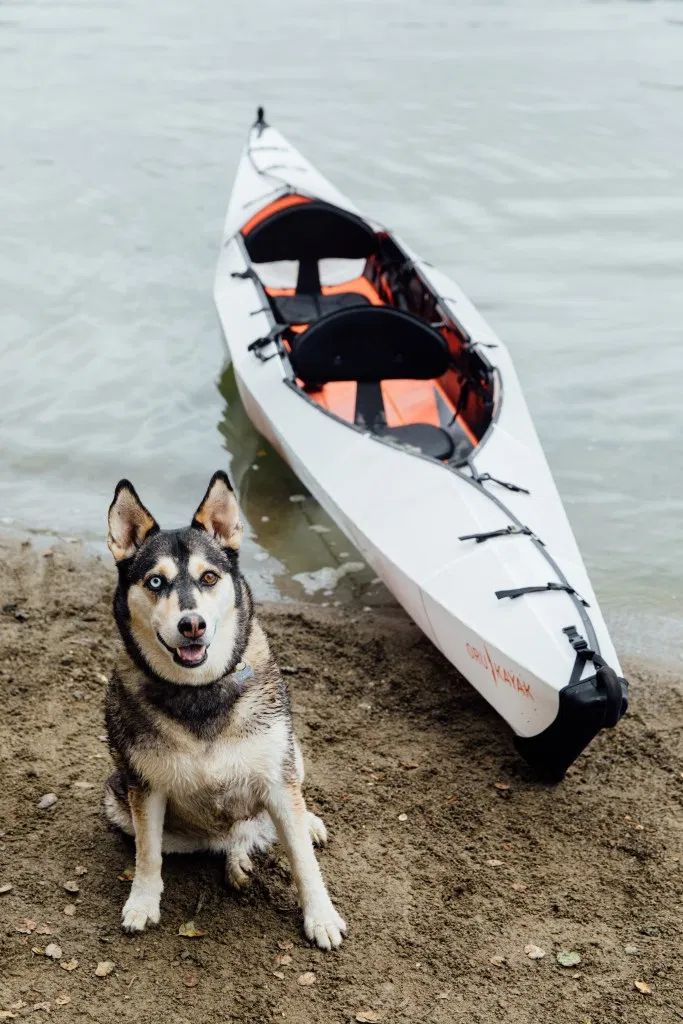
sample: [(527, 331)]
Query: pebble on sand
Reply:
[(47, 801)]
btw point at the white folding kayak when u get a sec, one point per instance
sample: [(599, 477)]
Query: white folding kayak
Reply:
[(399, 408)]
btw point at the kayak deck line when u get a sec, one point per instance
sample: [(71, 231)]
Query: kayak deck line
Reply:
[(384, 355)]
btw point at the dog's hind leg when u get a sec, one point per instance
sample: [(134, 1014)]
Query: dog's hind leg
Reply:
[(253, 835), (256, 835)]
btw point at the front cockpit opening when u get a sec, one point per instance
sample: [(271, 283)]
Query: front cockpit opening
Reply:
[(363, 334)]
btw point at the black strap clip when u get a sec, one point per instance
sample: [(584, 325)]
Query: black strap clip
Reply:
[(579, 644), (520, 591), (506, 531), (502, 483)]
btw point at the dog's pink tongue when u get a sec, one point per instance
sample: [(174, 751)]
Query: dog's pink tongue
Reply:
[(191, 654)]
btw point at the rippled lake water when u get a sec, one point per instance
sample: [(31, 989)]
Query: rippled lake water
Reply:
[(533, 150)]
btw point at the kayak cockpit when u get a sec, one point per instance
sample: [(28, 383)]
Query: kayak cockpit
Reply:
[(362, 333)]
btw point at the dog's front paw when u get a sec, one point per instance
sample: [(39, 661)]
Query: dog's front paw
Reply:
[(325, 927), (140, 910)]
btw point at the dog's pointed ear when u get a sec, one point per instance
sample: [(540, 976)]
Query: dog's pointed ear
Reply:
[(218, 513), (129, 522)]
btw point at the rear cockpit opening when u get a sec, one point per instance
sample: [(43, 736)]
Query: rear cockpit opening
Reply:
[(363, 335)]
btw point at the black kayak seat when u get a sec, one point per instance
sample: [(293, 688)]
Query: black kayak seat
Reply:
[(309, 232), (369, 344), (430, 440)]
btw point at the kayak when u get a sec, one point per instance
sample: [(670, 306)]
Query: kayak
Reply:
[(395, 403)]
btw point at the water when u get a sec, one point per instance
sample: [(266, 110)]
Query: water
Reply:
[(533, 150)]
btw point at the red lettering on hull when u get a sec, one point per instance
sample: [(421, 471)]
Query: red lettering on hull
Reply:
[(498, 672)]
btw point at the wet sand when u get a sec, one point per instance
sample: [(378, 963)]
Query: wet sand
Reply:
[(440, 904)]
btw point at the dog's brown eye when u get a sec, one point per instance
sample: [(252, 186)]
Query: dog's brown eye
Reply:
[(209, 579)]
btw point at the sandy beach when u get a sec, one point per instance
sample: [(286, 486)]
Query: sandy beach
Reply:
[(446, 857)]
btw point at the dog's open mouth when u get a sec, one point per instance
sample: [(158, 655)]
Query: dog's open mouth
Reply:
[(189, 655)]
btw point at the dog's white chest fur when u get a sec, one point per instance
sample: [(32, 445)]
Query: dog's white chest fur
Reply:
[(210, 783)]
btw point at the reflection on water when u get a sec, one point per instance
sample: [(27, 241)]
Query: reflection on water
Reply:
[(292, 534)]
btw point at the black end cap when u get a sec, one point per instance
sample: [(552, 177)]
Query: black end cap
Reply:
[(585, 708)]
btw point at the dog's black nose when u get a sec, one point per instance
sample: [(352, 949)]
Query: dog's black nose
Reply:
[(192, 626)]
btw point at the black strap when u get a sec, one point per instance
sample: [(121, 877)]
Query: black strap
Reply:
[(519, 591), (605, 676), (502, 483), (243, 275), (506, 531), (276, 334)]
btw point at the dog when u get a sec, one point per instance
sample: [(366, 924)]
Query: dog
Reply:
[(198, 716)]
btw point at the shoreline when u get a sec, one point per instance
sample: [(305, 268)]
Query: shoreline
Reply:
[(667, 662), (441, 903)]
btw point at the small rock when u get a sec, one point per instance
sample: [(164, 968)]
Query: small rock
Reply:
[(279, 974), (191, 980), (403, 817), (502, 786), (630, 950), (43, 929), (70, 910), (306, 979), (492, 862), (71, 886), (80, 870), (61, 999), (368, 1017), (285, 945), (283, 960), (519, 886), (53, 951), (642, 986), (47, 801), (296, 498), (5, 887), (104, 968), (68, 965), (534, 952), (497, 961)]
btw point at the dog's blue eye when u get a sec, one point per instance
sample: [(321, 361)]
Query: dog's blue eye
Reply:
[(155, 582)]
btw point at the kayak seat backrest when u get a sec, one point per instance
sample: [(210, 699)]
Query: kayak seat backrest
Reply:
[(308, 232), (369, 344)]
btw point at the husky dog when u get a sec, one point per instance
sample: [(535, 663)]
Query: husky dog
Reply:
[(198, 716)]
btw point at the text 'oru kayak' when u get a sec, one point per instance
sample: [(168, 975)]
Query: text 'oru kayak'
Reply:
[(399, 408)]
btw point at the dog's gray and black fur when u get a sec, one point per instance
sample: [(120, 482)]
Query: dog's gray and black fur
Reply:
[(198, 716)]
